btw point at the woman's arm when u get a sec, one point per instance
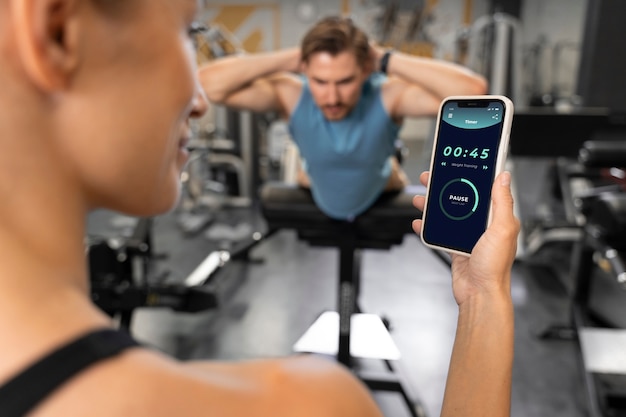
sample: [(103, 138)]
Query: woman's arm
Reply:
[(479, 378)]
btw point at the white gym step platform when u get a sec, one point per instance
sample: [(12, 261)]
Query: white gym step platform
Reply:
[(604, 350), (369, 338)]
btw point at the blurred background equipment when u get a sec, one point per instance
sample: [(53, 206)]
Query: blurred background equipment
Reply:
[(494, 51), (601, 80)]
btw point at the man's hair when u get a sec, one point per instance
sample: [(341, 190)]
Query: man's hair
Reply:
[(335, 34)]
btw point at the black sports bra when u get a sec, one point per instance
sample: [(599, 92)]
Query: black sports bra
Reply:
[(24, 391)]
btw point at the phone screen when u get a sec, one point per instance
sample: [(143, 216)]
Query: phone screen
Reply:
[(462, 173)]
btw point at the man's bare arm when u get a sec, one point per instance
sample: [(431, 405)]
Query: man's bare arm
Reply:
[(249, 81), (417, 85)]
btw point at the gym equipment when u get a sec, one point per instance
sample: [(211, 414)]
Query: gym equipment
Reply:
[(601, 80), (494, 45), (124, 274), (549, 133), (560, 135), (596, 302), (553, 139), (121, 278), (221, 172), (550, 91), (234, 142), (385, 224), (201, 195), (223, 165)]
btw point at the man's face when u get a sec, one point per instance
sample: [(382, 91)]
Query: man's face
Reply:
[(335, 82)]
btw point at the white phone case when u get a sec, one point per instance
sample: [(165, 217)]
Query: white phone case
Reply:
[(499, 162)]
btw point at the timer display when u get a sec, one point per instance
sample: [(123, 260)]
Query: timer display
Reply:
[(460, 151)]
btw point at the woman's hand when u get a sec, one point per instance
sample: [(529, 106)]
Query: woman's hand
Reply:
[(488, 269)]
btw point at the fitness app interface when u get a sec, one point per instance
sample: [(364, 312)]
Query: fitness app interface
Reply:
[(462, 173)]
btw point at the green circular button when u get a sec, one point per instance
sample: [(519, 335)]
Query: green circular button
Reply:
[(472, 186)]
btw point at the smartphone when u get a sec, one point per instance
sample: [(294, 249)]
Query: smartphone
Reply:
[(469, 151)]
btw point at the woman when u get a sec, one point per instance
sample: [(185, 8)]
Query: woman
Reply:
[(94, 108)]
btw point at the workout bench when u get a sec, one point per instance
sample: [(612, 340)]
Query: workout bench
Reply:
[(385, 224)]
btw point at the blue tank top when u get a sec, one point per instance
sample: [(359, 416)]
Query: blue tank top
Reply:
[(347, 160)]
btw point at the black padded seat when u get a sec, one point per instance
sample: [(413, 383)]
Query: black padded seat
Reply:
[(383, 225), (603, 154)]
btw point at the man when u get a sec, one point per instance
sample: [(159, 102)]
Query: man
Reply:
[(347, 110)]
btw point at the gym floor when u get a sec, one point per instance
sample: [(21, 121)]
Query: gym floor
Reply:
[(269, 302)]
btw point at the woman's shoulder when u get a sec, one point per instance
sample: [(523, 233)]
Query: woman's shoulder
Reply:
[(138, 382), (141, 382)]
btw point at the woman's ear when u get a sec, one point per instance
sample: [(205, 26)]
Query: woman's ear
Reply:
[(47, 40)]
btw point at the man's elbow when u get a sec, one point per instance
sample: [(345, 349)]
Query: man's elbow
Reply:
[(477, 85), (215, 97), (213, 94)]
